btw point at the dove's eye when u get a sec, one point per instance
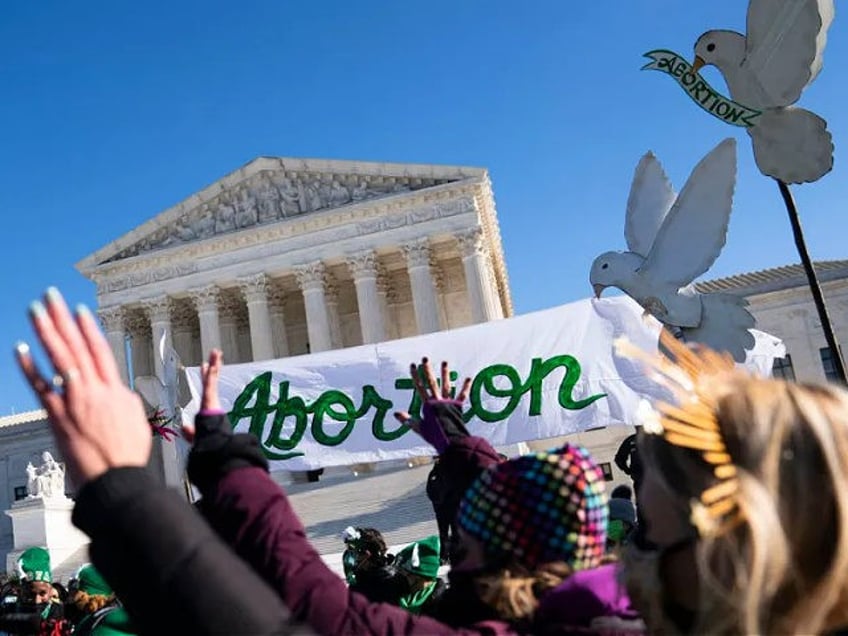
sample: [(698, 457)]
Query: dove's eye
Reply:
[(605, 265), (711, 47)]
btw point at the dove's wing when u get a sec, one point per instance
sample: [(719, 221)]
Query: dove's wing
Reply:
[(651, 197), (785, 46), (695, 229)]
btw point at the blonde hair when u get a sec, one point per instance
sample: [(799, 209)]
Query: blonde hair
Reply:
[(782, 566), (514, 591), (90, 603)]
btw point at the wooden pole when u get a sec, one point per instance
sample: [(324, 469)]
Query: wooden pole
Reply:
[(813, 281)]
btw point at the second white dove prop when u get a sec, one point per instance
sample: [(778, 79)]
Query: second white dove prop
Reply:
[(672, 240)]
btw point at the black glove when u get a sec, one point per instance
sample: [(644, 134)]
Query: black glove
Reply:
[(217, 451)]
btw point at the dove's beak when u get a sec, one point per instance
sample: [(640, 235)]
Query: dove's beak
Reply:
[(698, 64), (599, 289)]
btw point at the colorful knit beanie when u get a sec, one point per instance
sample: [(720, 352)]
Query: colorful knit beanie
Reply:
[(421, 557), (34, 565), (540, 508)]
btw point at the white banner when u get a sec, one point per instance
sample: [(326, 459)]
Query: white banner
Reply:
[(535, 376)]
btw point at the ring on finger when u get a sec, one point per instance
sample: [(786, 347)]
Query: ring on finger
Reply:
[(63, 379)]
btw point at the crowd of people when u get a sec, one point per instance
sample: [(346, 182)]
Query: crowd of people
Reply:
[(740, 522), (33, 603)]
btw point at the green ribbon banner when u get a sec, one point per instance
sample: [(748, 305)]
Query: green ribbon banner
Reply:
[(703, 94)]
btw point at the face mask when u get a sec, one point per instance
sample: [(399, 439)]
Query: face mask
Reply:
[(616, 531)]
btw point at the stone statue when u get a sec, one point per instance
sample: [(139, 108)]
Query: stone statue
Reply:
[(313, 197), (269, 201), (225, 220), (206, 223), (289, 196), (338, 194), (246, 206), (183, 230), (48, 480), (360, 192)]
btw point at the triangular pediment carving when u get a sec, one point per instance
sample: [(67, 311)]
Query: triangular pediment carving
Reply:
[(271, 190)]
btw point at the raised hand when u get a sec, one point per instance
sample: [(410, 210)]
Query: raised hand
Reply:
[(98, 422), (209, 400), (434, 399)]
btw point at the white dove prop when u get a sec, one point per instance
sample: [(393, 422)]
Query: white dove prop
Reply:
[(767, 70), (673, 239)]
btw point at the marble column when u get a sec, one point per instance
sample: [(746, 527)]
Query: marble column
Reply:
[(159, 313), (311, 280), (185, 328), (255, 291), (439, 285), (112, 319), (279, 336), (141, 347), (424, 300), (331, 296), (228, 324), (206, 301), (363, 268), (386, 295), (477, 282)]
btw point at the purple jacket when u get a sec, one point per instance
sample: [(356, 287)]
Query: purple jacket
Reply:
[(590, 602)]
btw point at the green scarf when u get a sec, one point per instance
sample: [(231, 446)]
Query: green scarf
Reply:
[(413, 602)]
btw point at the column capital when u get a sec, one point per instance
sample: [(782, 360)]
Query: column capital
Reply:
[(311, 275), (254, 288), (417, 252), (438, 277), (135, 322), (206, 298), (363, 264), (331, 291), (277, 298), (113, 318), (158, 309), (183, 314), (471, 241)]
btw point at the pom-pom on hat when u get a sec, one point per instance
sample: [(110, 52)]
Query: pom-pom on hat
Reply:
[(550, 506), (421, 557), (34, 565)]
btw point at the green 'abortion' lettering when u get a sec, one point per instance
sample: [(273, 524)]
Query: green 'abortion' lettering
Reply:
[(699, 91), (291, 414)]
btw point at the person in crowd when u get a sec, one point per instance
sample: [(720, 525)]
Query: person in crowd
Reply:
[(456, 465), (97, 610), (622, 523), (167, 565), (531, 533), (746, 498), (418, 566), (438, 492), (622, 491), (368, 565), (629, 461), (35, 612)]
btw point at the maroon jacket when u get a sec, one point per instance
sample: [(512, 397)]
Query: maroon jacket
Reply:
[(252, 513)]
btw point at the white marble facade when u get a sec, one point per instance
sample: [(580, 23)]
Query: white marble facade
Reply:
[(783, 306), (285, 257)]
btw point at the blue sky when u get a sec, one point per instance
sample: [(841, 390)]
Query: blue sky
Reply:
[(113, 111)]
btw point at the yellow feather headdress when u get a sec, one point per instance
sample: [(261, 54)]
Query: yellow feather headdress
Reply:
[(689, 373)]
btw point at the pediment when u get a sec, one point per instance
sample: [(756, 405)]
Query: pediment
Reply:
[(271, 190)]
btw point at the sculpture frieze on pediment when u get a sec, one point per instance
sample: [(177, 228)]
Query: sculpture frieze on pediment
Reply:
[(144, 277), (269, 197)]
